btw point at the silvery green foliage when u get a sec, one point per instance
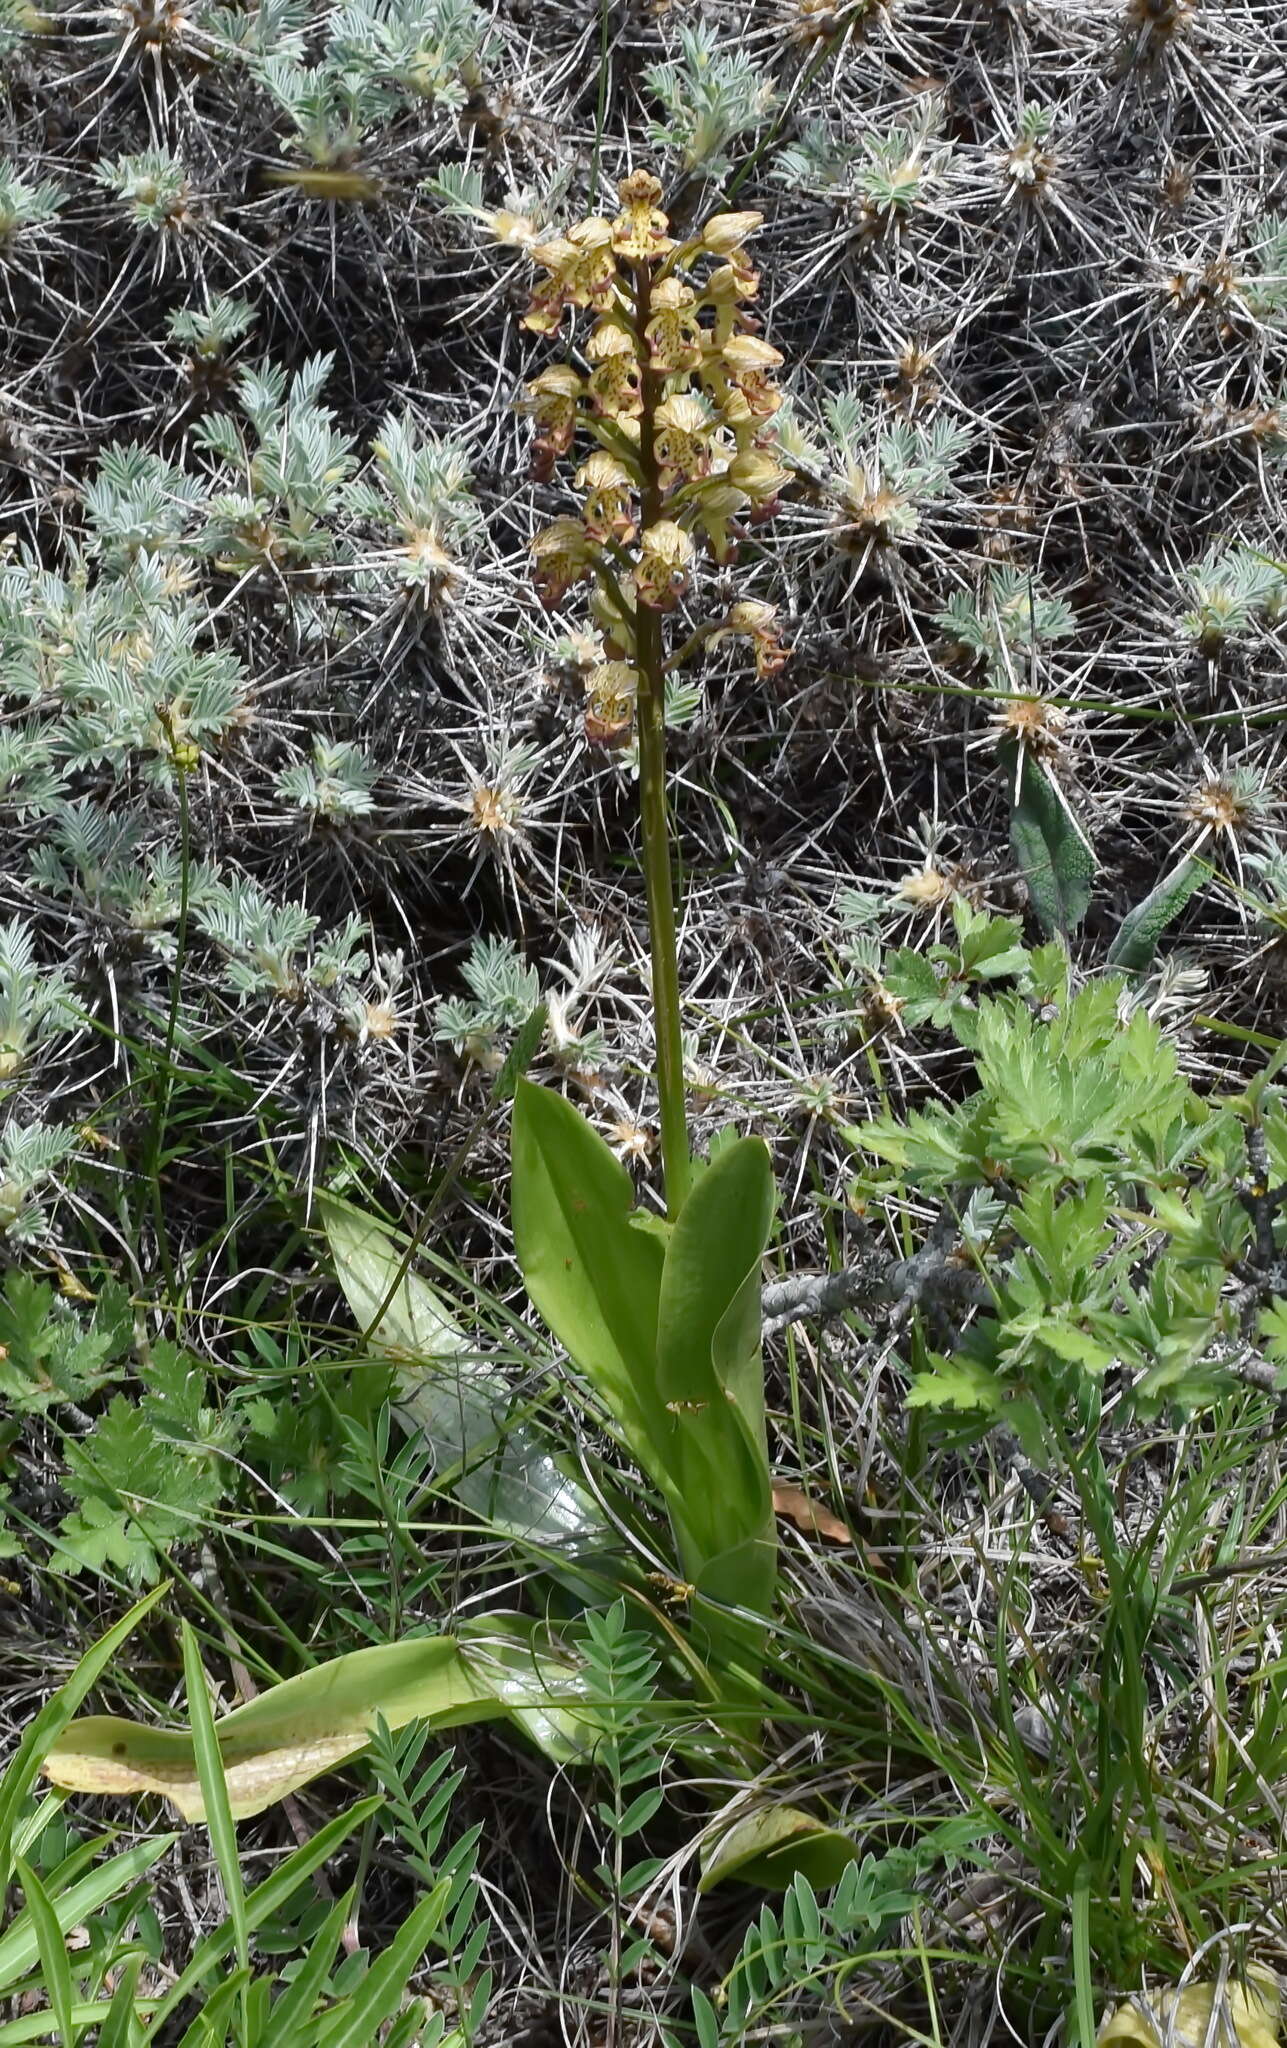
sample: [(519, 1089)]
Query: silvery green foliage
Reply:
[(120, 668), (34, 1003), (503, 992), (30, 1155), (336, 783), (138, 501), (713, 96), (153, 187), (273, 949), (418, 486), (381, 58), (1230, 590), (432, 50), (1264, 285), (329, 108), (277, 482), (211, 330), (1009, 619), (26, 205), (882, 472), (885, 177)]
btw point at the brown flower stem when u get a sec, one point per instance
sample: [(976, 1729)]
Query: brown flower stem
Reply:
[(650, 663)]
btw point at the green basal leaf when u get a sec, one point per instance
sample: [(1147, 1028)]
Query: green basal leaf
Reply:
[(1136, 940), (1052, 851), (710, 1377), (594, 1278)]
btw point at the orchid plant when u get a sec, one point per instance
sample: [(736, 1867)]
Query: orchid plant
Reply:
[(674, 404)]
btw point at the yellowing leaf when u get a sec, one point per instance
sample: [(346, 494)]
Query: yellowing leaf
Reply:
[(768, 1845), (295, 1731), (1183, 2019)]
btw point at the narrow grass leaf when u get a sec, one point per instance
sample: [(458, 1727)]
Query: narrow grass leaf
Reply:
[(121, 2028), (377, 1997), (210, 2027), (19, 1949), (266, 1900), (214, 1793), (53, 1953), (293, 2023), (1083, 1982)]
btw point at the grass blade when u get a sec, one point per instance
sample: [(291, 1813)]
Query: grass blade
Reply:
[(53, 1953), (214, 1789)]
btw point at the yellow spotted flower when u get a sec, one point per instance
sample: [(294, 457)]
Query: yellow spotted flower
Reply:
[(673, 335), (616, 385), (561, 557), (751, 620), (724, 233), (553, 398), (747, 362), (665, 552), (610, 693), (607, 484), (639, 230), (592, 275), (716, 502), (756, 473), (683, 438)]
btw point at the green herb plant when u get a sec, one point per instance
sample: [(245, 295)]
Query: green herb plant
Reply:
[(1110, 1258), (661, 1316)]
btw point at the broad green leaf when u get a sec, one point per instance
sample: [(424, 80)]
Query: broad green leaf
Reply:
[(407, 1321), (447, 1395), (1253, 2004), (295, 1731), (539, 1682), (593, 1277), (1053, 853), (1137, 937), (769, 1845), (710, 1377)]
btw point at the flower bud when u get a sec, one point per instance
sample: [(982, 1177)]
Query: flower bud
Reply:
[(724, 233)]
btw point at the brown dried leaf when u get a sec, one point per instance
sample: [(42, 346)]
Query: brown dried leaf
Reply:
[(809, 1515)]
